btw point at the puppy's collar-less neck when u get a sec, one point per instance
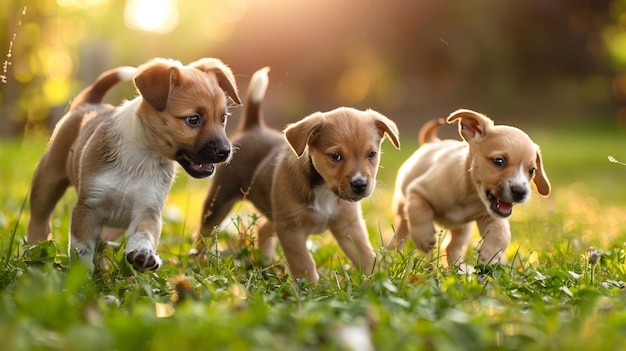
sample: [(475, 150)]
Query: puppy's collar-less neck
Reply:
[(315, 178), (131, 137)]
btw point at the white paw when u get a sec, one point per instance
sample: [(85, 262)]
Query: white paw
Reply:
[(144, 260), (141, 254)]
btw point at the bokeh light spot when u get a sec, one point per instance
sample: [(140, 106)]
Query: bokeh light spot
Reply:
[(160, 16), (230, 11), (353, 85), (56, 91), (58, 65)]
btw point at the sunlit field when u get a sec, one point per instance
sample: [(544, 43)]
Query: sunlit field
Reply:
[(549, 296)]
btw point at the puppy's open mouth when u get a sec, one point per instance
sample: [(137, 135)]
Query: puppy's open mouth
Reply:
[(194, 168), (499, 207)]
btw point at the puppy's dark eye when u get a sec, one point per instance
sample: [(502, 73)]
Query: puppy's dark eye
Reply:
[(499, 162), (531, 171), (371, 155), (193, 120), (335, 156)]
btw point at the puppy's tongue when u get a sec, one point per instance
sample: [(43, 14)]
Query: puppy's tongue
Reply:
[(500, 207), (504, 207)]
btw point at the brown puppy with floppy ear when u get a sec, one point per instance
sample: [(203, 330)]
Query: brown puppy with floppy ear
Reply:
[(121, 160), (454, 183), (309, 181)]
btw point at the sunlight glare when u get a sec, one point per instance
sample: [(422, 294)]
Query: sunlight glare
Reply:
[(160, 16)]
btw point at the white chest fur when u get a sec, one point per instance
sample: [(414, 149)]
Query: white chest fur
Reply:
[(137, 179), (324, 207), (136, 182)]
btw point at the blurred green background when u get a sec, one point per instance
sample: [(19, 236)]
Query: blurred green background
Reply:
[(532, 63)]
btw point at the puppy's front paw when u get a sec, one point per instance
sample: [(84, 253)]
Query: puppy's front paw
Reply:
[(141, 252), (490, 256), (144, 260), (425, 243), (84, 252)]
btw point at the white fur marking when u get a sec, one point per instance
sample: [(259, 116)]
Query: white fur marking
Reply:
[(140, 178), (325, 206), (357, 176), (258, 84), (126, 73), (521, 178), (138, 242)]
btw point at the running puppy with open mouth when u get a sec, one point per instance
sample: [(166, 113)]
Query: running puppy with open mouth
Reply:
[(121, 160), (455, 183)]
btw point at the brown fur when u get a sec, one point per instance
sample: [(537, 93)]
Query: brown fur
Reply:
[(121, 160), (294, 181), (454, 183)]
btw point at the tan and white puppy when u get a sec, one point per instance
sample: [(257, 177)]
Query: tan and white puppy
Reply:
[(454, 183), (304, 182), (121, 160)]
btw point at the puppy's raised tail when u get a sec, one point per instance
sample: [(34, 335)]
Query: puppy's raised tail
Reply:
[(253, 114), (428, 133), (94, 93)]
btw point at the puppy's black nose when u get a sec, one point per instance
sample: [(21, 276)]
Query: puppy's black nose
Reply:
[(218, 151), (358, 185), (519, 193), (223, 151)]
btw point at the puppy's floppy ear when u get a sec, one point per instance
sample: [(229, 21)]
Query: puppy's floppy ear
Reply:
[(155, 81), (223, 74), (300, 133), (473, 126), (386, 126), (541, 179)]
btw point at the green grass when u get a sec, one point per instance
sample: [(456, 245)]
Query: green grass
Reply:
[(548, 297)]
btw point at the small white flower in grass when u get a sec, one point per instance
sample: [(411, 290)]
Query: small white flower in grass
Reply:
[(593, 255), (355, 337), (574, 274), (111, 300), (612, 159), (566, 290)]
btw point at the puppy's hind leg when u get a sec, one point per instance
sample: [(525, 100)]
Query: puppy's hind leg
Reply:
[(85, 233), (48, 187), (401, 230)]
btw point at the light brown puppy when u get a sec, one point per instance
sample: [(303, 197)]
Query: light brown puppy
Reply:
[(306, 182), (121, 160), (454, 183)]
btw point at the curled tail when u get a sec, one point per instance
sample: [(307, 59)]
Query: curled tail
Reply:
[(94, 93), (253, 114), (428, 133)]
